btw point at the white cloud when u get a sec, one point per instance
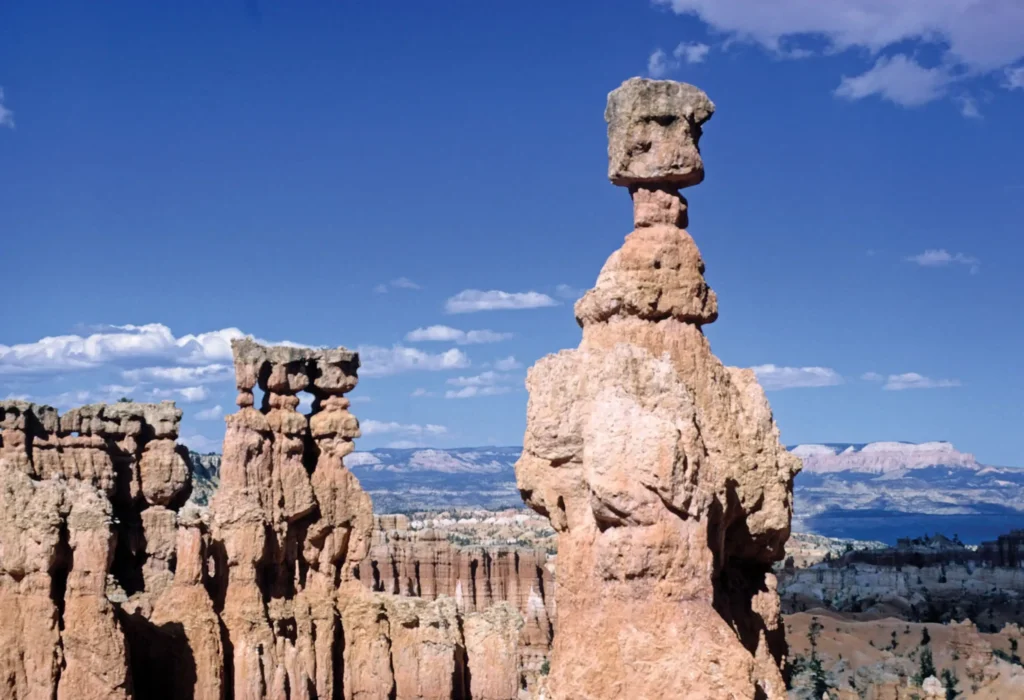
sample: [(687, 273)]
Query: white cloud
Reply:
[(117, 345), (210, 413), (566, 291), (454, 335), (397, 283), (775, 377), (913, 380), (421, 393), (694, 52), (470, 300), (483, 379), (380, 362), (484, 384), (1015, 78), (472, 392), (872, 377), (507, 364), (6, 115), (899, 79), (181, 375), (376, 427), (941, 258), (973, 37), (658, 64), (200, 443), (968, 107), (188, 394)]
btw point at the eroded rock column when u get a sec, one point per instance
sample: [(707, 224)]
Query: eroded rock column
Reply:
[(289, 521), (660, 468)]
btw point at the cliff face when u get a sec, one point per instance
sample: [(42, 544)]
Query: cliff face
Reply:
[(424, 564), (660, 469), (111, 587)]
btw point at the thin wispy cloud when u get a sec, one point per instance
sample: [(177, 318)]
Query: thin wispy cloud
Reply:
[(187, 394), (507, 364), (913, 380), (376, 427), (381, 362), (660, 64), (943, 258), (872, 377), (568, 292), (212, 413), (181, 375), (969, 107), (774, 377), (201, 443), (397, 283), (970, 40), (6, 115), (447, 334), (473, 300)]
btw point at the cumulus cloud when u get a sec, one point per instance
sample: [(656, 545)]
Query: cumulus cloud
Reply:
[(943, 258), (660, 64), (899, 79), (381, 362), (181, 375), (913, 380), (448, 334), (507, 364), (471, 300), (376, 427), (775, 377), (188, 394), (693, 52), (472, 392), (973, 38), (1015, 78), (397, 283), (6, 115), (212, 413), (117, 345), (487, 383)]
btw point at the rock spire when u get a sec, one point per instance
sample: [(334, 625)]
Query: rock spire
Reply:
[(660, 468)]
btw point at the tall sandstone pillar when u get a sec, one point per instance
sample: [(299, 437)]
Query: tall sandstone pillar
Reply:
[(660, 469)]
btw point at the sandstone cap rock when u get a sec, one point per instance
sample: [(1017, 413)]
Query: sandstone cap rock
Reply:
[(654, 127)]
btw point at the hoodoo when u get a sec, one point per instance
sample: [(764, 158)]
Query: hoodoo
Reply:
[(660, 469)]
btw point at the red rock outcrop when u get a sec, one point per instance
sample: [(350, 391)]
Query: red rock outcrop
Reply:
[(424, 564), (112, 587), (660, 468)]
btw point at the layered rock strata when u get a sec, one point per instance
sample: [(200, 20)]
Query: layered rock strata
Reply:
[(479, 580), (660, 468)]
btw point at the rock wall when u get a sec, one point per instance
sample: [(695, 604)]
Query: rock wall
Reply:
[(112, 587), (660, 468), (424, 564)]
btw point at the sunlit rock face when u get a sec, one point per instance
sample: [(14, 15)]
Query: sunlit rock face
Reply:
[(113, 585), (660, 468)]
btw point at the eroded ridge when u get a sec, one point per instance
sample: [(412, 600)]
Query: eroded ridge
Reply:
[(660, 468)]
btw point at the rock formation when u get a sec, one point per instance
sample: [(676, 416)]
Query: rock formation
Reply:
[(424, 564), (660, 469), (88, 505), (111, 586)]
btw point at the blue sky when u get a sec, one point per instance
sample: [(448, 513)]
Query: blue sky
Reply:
[(349, 174)]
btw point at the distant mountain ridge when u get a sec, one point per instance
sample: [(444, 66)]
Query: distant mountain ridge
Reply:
[(879, 490)]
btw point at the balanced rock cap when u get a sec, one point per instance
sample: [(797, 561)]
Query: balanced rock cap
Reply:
[(654, 127)]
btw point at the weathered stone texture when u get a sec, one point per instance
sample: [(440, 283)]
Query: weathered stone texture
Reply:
[(660, 468)]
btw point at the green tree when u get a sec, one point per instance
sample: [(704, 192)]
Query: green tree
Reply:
[(949, 682), (925, 637), (926, 667)]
